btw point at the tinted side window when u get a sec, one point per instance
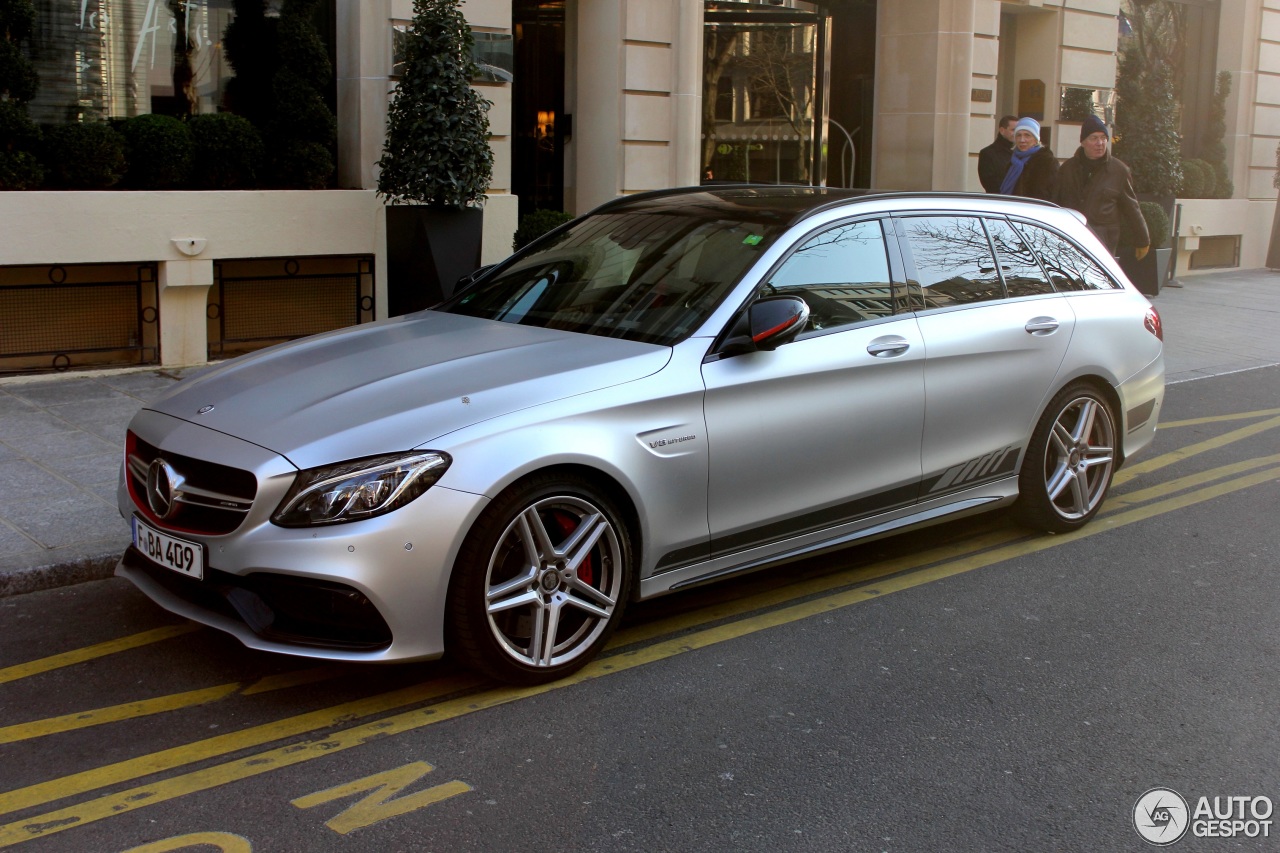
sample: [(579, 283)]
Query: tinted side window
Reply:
[(953, 261), (1022, 273), (1068, 267), (842, 273)]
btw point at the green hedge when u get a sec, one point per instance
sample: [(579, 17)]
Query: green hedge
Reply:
[(227, 152), (87, 156), (158, 151)]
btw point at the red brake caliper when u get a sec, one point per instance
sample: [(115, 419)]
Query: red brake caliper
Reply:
[(567, 524)]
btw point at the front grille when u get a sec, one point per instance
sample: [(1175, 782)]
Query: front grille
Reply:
[(210, 499), (282, 608)]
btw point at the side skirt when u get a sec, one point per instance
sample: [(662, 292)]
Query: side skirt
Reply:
[(987, 497)]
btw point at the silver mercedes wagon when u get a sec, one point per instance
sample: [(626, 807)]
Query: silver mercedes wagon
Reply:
[(676, 388)]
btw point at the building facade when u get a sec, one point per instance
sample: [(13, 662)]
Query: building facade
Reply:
[(590, 99)]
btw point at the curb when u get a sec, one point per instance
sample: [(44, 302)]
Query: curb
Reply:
[(97, 565)]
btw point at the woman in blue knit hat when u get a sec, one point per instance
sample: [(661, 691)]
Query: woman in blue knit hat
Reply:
[(1033, 171), (1101, 187)]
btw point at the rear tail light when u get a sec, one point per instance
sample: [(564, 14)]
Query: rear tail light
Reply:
[(1153, 324)]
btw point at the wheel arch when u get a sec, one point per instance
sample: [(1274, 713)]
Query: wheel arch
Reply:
[(602, 480), (1103, 386)]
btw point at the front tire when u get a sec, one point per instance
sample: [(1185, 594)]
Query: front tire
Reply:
[(541, 581), (1069, 463)]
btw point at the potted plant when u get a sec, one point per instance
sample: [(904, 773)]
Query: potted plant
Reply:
[(436, 163), (1149, 273), (1149, 142)]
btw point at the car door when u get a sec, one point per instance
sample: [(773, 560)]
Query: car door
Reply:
[(994, 341), (825, 429)]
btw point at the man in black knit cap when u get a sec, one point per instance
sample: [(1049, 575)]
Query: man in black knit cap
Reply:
[(1101, 187)]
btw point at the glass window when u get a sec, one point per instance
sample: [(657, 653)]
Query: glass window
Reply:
[(1022, 273), (953, 261), (494, 55), (649, 277), (842, 273), (1068, 267), (99, 60)]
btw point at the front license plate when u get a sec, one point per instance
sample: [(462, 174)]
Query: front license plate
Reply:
[(169, 551)]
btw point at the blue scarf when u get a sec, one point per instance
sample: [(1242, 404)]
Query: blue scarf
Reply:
[(1016, 166)]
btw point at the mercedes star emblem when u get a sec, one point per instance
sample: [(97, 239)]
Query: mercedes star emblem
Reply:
[(164, 485)]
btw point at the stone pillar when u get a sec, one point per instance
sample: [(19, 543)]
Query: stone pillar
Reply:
[(687, 143), (362, 73), (636, 97), (184, 292), (924, 69), (597, 115)]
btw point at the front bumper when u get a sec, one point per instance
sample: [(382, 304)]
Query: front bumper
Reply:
[(371, 590)]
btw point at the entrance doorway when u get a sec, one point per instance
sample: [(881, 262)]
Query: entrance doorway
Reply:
[(539, 125), (764, 92)]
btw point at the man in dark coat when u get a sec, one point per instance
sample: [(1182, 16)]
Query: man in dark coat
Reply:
[(993, 161), (1033, 169), (1101, 187)]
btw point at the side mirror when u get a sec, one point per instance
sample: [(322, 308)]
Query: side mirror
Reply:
[(776, 320), (769, 323)]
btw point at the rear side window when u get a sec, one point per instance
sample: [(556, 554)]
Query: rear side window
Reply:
[(1068, 267), (1022, 273), (842, 273), (953, 261)]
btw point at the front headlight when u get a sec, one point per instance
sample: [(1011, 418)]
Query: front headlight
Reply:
[(362, 488)]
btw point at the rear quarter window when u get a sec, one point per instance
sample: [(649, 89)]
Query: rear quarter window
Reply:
[(1069, 268)]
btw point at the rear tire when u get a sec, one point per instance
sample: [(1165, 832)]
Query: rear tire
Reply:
[(541, 581), (1069, 464)]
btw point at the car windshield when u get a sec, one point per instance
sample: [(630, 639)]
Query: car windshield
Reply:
[(646, 276)]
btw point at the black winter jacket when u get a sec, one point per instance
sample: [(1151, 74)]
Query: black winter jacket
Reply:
[(1106, 199), (993, 162)]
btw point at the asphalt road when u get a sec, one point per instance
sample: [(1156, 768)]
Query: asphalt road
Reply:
[(967, 688)]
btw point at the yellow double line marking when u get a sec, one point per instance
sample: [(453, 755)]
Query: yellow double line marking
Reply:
[(88, 653), (159, 705), (244, 768), (894, 576)]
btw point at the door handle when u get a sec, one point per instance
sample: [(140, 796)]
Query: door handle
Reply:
[(888, 346), (1042, 325)]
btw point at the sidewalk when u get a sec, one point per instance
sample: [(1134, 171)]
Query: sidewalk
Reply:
[(61, 437)]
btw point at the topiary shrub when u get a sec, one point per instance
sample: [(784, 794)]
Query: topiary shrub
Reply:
[(226, 152), (1157, 223), (1157, 226), (1215, 150), (534, 225), (1147, 137), (437, 145), (1197, 180), (88, 156), (158, 151)]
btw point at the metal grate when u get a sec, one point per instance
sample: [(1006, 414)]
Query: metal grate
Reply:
[(78, 317), (255, 310)]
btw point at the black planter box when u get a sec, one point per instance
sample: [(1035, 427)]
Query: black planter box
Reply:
[(428, 250), (1148, 274)]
